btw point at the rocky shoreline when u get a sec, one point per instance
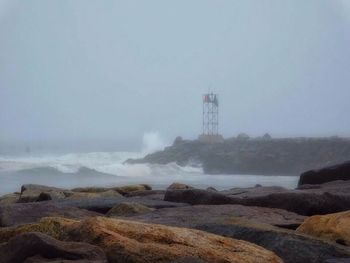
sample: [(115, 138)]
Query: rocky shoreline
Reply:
[(180, 224), (260, 156)]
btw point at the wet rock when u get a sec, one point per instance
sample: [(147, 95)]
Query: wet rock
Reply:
[(197, 197), (191, 216), (301, 203), (254, 191), (149, 194), (23, 213), (335, 187), (291, 247), (104, 204), (333, 227), (255, 155), (127, 241), (327, 174), (211, 189), (298, 202), (28, 246), (178, 186), (128, 209)]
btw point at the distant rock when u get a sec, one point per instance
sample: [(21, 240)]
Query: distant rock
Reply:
[(243, 136), (38, 247), (327, 174), (127, 241), (9, 198), (178, 186), (34, 193), (128, 209), (132, 188), (264, 155), (333, 227), (178, 140), (98, 194)]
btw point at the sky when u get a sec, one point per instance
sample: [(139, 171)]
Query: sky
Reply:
[(112, 71)]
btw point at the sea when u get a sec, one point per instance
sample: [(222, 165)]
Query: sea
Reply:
[(81, 168), (107, 169)]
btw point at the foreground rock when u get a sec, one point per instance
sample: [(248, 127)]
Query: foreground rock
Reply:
[(334, 227), (327, 174), (291, 247), (192, 216), (128, 209), (299, 202), (23, 213), (125, 241), (38, 247)]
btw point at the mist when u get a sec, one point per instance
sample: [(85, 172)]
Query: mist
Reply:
[(101, 74)]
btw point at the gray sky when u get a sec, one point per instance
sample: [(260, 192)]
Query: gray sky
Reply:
[(113, 70)]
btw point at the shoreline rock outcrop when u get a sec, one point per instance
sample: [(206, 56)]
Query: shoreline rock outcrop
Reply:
[(284, 156), (127, 241)]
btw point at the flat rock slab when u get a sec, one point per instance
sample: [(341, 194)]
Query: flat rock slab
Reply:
[(254, 191), (191, 216), (23, 213), (291, 247), (103, 205), (299, 202)]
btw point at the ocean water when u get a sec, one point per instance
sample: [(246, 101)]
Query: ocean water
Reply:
[(108, 169)]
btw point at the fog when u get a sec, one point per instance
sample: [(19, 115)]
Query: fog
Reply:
[(107, 72)]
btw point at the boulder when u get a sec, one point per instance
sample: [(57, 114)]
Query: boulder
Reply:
[(31, 193), (41, 247), (23, 213), (9, 198), (301, 203), (333, 227), (128, 209), (190, 216), (97, 194), (104, 204), (90, 189), (127, 241), (178, 186), (132, 188), (291, 247), (149, 194), (327, 174)]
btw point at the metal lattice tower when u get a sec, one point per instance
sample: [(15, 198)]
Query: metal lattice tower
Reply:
[(210, 114)]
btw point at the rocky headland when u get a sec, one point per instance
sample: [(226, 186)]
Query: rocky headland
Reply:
[(260, 156)]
